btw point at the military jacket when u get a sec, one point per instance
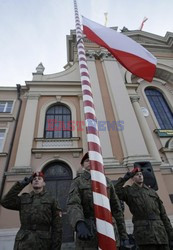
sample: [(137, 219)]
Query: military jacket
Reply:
[(80, 208), (40, 216), (151, 223)]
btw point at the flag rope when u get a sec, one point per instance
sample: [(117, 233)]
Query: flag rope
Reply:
[(105, 230)]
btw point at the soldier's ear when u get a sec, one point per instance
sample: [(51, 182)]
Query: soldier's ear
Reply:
[(44, 184)]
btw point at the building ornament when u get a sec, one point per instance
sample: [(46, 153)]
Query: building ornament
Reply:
[(40, 69), (99, 54), (134, 98), (58, 98)]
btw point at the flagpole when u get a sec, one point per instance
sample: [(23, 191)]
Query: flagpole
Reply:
[(103, 216)]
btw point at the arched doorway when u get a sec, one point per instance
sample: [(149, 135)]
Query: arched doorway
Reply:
[(58, 177)]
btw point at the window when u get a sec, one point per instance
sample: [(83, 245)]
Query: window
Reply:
[(6, 106), (58, 122), (2, 136), (160, 108)]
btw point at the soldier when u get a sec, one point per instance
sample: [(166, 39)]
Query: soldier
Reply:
[(152, 227), (81, 211), (40, 215)]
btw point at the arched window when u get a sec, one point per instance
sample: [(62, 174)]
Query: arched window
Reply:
[(160, 108), (58, 122)]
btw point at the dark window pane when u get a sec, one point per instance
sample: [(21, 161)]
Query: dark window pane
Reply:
[(67, 134), (58, 110), (66, 111), (51, 111), (49, 134), (6, 106), (160, 108)]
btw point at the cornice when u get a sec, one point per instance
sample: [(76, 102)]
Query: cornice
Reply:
[(164, 75), (149, 40)]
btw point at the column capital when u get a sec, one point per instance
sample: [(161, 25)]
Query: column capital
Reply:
[(90, 55), (33, 96), (80, 97), (99, 54), (134, 98)]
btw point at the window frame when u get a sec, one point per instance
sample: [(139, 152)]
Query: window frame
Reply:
[(6, 106), (3, 139), (54, 115), (159, 110)]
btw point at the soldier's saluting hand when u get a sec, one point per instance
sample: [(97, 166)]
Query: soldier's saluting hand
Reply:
[(152, 227), (81, 211), (40, 215)]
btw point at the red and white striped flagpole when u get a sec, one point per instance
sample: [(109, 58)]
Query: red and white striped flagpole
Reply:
[(105, 230)]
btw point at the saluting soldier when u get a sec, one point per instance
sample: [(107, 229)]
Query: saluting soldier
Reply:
[(81, 211), (40, 215), (152, 227)]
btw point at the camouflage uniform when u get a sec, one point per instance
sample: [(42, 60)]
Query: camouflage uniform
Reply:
[(152, 227), (80, 208), (40, 216)]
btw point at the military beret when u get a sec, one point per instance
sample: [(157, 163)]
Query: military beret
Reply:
[(85, 156), (38, 174), (136, 169)]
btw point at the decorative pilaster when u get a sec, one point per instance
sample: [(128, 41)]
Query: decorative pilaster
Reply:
[(23, 156), (100, 111), (132, 140), (151, 146)]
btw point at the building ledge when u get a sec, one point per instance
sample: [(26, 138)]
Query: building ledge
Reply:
[(166, 150), (55, 150), (58, 143), (3, 154), (6, 118)]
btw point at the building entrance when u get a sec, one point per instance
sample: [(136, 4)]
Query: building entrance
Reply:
[(58, 177)]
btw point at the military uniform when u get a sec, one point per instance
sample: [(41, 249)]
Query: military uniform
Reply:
[(152, 227), (80, 208), (40, 216)]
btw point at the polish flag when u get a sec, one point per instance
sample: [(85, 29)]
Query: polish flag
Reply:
[(134, 57)]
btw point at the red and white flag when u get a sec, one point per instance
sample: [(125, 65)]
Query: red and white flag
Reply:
[(134, 57)]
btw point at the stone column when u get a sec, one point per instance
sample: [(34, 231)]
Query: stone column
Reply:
[(23, 156), (131, 137), (151, 146), (99, 108)]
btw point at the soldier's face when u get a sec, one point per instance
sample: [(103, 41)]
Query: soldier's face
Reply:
[(38, 182), (86, 165), (138, 178)]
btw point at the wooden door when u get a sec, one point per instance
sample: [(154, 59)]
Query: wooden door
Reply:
[(58, 177)]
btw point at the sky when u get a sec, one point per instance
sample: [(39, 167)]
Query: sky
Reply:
[(34, 31)]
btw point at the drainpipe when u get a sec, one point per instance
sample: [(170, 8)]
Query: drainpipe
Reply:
[(18, 87)]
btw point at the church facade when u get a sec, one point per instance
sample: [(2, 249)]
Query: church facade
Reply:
[(42, 126)]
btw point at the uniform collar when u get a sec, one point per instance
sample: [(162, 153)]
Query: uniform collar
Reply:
[(138, 187), (86, 175), (41, 193)]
